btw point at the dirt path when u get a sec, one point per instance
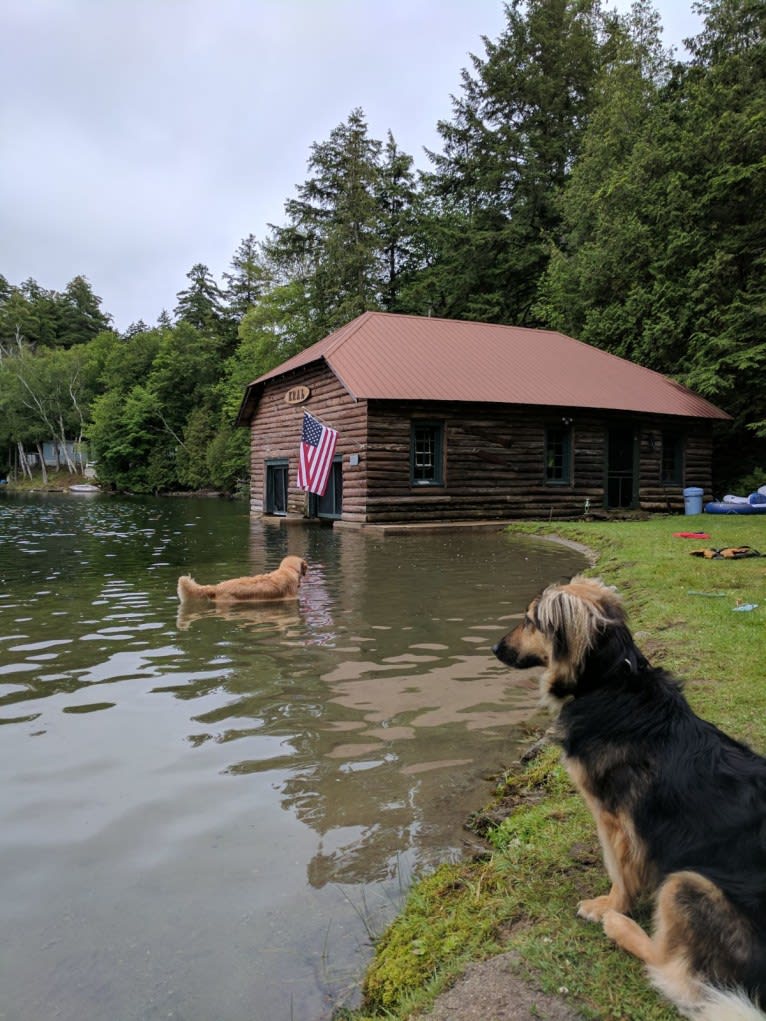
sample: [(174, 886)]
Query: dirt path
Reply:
[(491, 990)]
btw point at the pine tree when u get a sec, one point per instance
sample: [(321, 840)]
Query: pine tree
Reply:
[(31, 313), (397, 204), (507, 153), (597, 285), (248, 280), (80, 315), (137, 327), (200, 304), (660, 256), (332, 242)]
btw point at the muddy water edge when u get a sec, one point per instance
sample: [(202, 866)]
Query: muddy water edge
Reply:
[(208, 813)]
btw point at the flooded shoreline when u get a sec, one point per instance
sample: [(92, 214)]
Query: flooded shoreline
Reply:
[(207, 813)]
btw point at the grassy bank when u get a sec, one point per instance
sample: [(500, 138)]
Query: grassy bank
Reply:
[(543, 854), (57, 481)]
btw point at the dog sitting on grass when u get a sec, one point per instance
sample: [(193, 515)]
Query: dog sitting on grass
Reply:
[(283, 583), (680, 807)]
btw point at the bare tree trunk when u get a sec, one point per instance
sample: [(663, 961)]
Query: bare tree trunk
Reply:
[(23, 463), (78, 443), (63, 447), (43, 467)]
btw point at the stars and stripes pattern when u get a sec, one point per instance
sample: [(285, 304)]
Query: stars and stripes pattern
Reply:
[(316, 454)]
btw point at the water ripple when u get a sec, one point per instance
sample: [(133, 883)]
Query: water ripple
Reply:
[(228, 784)]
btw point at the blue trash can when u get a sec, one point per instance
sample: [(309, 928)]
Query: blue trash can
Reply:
[(693, 500)]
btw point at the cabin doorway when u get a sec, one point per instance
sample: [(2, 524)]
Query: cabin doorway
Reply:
[(329, 506), (276, 488), (621, 481)]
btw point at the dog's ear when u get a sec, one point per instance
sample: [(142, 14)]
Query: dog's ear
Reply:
[(572, 617), (557, 617)]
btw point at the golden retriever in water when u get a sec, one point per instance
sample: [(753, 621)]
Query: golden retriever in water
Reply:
[(280, 584), (680, 807)]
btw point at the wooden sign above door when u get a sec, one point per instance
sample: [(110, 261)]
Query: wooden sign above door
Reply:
[(297, 395)]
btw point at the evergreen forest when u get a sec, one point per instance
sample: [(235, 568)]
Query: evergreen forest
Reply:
[(588, 180)]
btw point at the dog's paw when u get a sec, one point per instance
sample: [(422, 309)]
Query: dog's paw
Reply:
[(594, 909), (613, 923)]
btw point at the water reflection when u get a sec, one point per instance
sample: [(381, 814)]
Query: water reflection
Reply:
[(206, 809), (263, 617)]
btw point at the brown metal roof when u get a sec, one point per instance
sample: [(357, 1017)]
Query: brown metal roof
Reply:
[(384, 356)]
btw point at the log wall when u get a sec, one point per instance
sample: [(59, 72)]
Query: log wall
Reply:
[(494, 456), (275, 433), (697, 440), (495, 463)]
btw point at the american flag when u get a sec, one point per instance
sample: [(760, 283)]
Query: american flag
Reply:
[(316, 453)]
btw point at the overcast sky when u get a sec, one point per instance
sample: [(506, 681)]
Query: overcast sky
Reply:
[(142, 136)]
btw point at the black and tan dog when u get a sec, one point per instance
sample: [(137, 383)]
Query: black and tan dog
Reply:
[(680, 807)]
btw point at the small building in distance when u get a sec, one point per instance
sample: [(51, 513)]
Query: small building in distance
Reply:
[(444, 420)]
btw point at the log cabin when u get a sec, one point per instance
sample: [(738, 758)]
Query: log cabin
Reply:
[(443, 420)]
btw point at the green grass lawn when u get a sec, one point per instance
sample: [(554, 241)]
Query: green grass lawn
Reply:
[(544, 854)]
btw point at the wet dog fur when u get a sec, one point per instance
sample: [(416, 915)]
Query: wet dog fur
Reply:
[(283, 583), (679, 807)]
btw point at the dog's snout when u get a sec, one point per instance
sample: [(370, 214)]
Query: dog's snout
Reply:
[(498, 648), (508, 652), (503, 652)]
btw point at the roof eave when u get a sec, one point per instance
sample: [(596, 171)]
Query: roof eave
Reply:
[(255, 389), (249, 402), (715, 413)]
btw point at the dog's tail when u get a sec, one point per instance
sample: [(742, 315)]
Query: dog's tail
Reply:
[(724, 1005), (189, 589)]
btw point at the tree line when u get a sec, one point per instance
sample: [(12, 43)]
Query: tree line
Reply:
[(587, 181)]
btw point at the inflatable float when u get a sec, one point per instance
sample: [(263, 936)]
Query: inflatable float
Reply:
[(755, 503), (721, 507)]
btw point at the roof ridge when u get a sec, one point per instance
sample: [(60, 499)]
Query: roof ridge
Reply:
[(459, 322), (346, 331)]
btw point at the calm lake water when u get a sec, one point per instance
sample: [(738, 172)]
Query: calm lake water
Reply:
[(203, 816)]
